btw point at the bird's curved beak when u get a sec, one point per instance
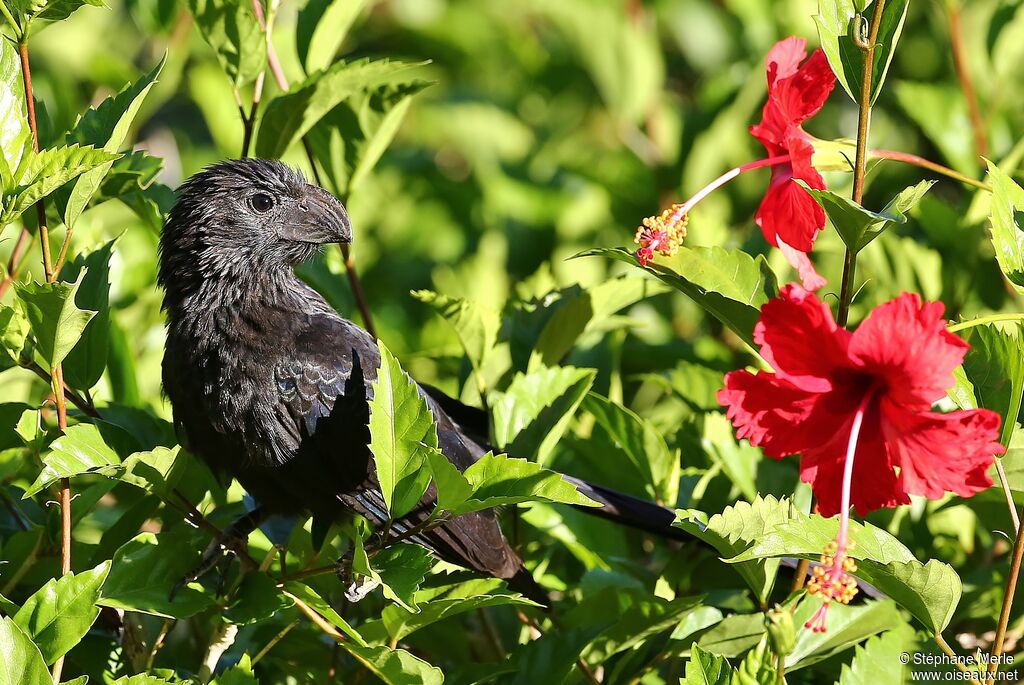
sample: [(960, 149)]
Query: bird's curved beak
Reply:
[(319, 218)]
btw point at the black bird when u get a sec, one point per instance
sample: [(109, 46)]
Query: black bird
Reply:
[(270, 385)]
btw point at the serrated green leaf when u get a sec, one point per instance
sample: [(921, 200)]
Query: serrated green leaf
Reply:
[(401, 623), (256, 599), (80, 450), (239, 674), (706, 668), (231, 29), (641, 443), (834, 21), (732, 531), (930, 592), (105, 127), (156, 471), (395, 666), (15, 136), (452, 487), (399, 568), (992, 375), (846, 626), (730, 284), (145, 570), (321, 29), (61, 612), (39, 174), (56, 322), (20, 660), (477, 327), (59, 10), (310, 597), (876, 662), (1008, 225), (858, 226), (499, 480), (402, 431), (291, 115), (533, 413), (14, 329)]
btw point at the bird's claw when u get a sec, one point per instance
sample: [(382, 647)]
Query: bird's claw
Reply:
[(356, 586)]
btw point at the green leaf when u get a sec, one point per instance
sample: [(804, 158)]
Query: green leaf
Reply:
[(452, 487), (732, 531), (61, 612), (400, 622), (80, 450), (256, 599), (15, 136), (477, 326), (533, 413), (20, 660), (499, 480), (56, 322), (145, 570), (858, 226), (239, 674), (994, 370), (321, 29), (309, 596), (706, 668), (930, 592), (730, 284), (402, 431), (156, 471), (14, 329), (59, 10), (586, 311), (399, 568), (395, 666), (756, 667), (1008, 225), (876, 662), (39, 174), (642, 444), (846, 627), (106, 127), (291, 115), (836, 24), (231, 29), (87, 360), (940, 110)]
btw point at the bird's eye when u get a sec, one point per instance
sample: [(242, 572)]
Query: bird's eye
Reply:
[(261, 202)]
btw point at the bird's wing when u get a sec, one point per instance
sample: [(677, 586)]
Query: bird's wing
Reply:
[(323, 393)]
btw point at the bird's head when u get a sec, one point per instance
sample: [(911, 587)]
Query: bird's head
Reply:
[(247, 215)]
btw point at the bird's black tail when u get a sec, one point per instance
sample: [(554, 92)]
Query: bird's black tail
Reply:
[(628, 510)]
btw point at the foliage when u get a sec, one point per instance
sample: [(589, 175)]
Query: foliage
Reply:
[(495, 159)]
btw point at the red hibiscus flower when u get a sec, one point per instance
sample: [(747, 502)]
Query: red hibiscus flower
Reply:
[(790, 218), (879, 382), (857, 406)]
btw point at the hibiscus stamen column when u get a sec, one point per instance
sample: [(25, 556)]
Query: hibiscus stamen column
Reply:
[(832, 579)]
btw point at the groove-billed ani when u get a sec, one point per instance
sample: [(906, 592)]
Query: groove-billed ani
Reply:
[(270, 385)]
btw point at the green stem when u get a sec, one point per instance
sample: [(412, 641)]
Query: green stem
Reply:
[(10, 20)]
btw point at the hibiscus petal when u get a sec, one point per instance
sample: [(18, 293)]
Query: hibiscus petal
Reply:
[(784, 59), (905, 343), (810, 278), (775, 414), (874, 483), (789, 212), (802, 94), (937, 452), (800, 340)]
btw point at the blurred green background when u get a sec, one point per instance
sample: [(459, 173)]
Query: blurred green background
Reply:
[(549, 128)]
